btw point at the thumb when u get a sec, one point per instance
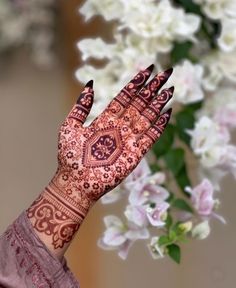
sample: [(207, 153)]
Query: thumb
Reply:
[(84, 104)]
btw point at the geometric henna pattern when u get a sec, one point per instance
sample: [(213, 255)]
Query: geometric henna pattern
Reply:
[(103, 148), (95, 159)]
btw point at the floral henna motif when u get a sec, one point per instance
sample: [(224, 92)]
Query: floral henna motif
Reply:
[(95, 159)]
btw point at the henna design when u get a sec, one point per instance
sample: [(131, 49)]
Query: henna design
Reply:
[(95, 159), (152, 112), (122, 100), (103, 148), (144, 96)]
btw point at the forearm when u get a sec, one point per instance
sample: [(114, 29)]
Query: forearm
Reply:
[(56, 217)]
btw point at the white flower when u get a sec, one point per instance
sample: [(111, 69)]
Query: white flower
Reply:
[(209, 141), (95, 48), (201, 231), (221, 109), (187, 79), (218, 65), (107, 8), (217, 9), (159, 20), (227, 39), (156, 251)]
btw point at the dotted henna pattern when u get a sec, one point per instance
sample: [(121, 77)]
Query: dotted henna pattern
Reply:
[(95, 159)]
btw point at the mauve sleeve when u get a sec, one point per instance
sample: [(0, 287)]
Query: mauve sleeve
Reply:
[(25, 262)]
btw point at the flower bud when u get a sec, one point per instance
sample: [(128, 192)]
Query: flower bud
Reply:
[(186, 226), (201, 231)]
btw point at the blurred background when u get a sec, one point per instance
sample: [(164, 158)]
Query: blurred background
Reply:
[(37, 91)]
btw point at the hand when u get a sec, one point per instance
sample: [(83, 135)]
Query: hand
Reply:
[(95, 159)]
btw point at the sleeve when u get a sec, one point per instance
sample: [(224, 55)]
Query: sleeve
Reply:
[(25, 261)]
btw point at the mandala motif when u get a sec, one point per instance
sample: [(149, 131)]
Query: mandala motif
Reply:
[(103, 148)]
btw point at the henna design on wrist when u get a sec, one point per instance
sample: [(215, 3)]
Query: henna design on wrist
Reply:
[(95, 159)]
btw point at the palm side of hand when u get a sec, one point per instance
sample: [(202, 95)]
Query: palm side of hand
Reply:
[(95, 159)]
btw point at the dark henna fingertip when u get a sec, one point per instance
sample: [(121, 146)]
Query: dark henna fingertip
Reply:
[(150, 68), (168, 72), (172, 89), (90, 84)]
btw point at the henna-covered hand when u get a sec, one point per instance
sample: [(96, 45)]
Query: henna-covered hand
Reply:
[(95, 159)]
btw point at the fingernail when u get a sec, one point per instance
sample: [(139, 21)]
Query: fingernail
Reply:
[(150, 68), (171, 89), (90, 84), (169, 111), (169, 72)]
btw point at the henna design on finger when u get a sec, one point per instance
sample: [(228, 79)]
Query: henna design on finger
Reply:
[(122, 100), (84, 104), (145, 96), (146, 140), (152, 112), (155, 131)]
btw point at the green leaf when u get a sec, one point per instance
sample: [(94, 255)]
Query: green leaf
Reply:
[(189, 6), (180, 51), (184, 120), (182, 205), (183, 180), (174, 252), (163, 240), (194, 106), (172, 235), (176, 163), (182, 238), (171, 196), (175, 160), (154, 167), (169, 221), (165, 142)]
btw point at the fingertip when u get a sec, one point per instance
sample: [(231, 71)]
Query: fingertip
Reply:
[(169, 111), (150, 68), (169, 71), (89, 84), (172, 89)]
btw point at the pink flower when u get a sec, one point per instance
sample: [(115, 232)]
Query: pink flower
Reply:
[(137, 215), (157, 215), (225, 117), (119, 236), (140, 173), (202, 198), (148, 193)]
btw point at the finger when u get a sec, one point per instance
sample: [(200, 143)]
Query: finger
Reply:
[(147, 139), (122, 100), (145, 96), (81, 109), (151, 113)]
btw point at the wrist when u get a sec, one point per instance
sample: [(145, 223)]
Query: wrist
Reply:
[(65, 187)]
